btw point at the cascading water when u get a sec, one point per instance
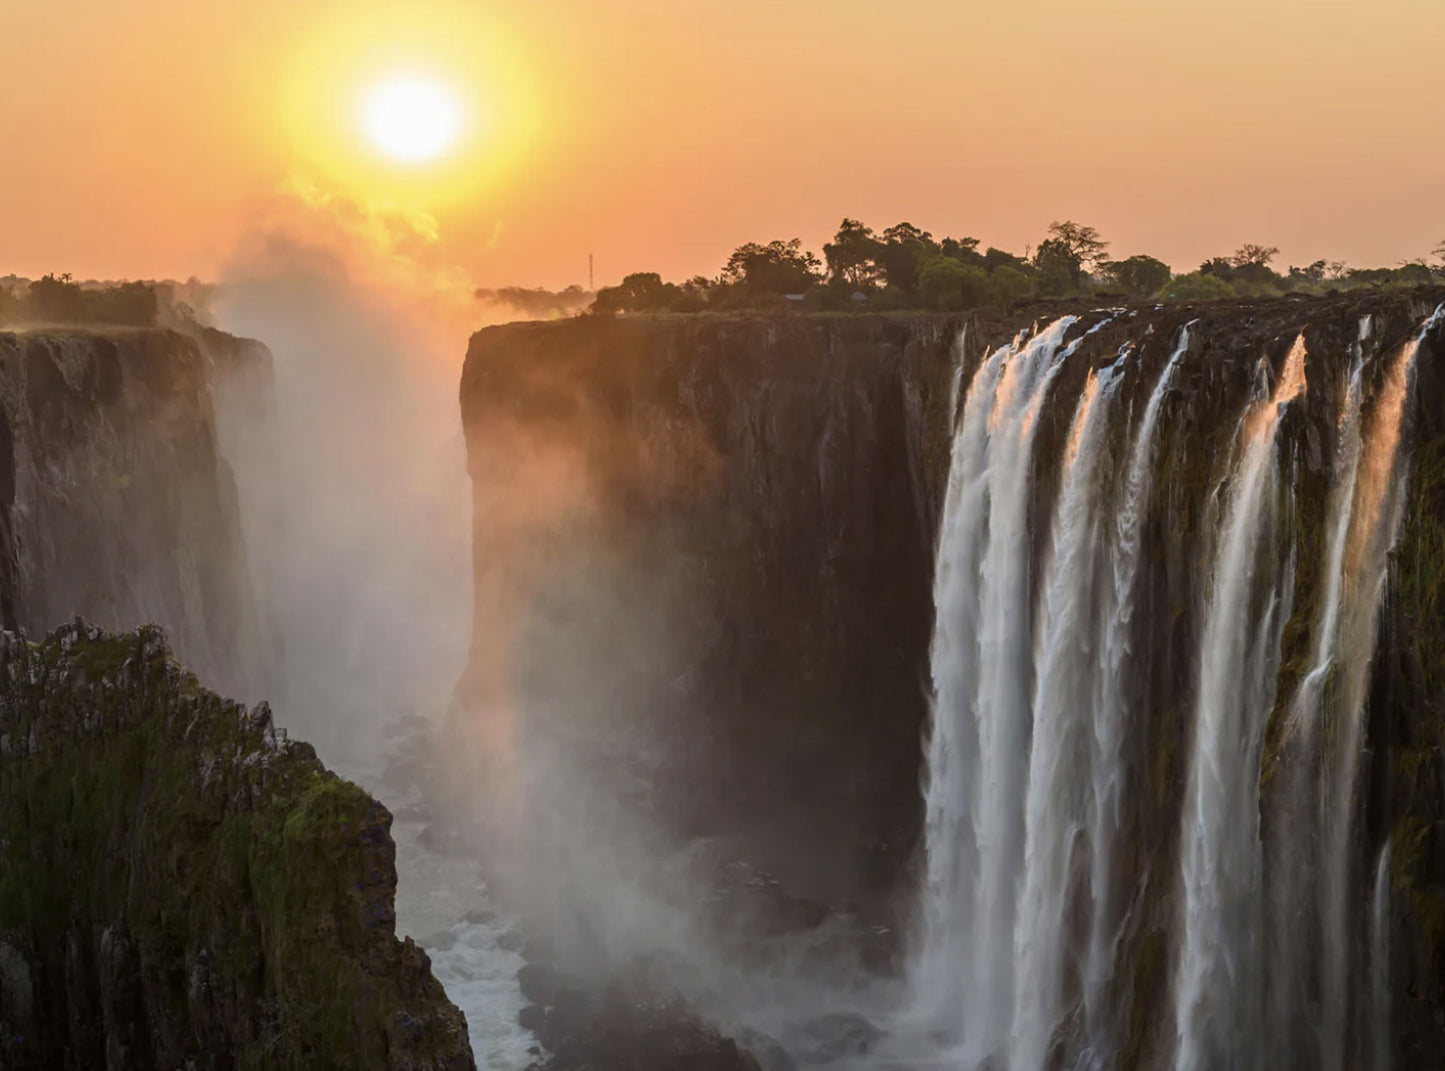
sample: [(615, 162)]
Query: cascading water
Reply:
[(1032, 908), (1110, 724), (1375, 523), (1380, 965), (1058, 779), (980, 679), (1219, 852)]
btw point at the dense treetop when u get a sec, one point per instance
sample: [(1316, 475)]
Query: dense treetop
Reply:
[(904, 267), (62, 300)]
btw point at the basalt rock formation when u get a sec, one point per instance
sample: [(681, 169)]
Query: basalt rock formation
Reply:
[(114, 500), (181, 886), (711, 542)]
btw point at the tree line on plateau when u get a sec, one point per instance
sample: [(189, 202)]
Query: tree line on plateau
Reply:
[(62, 300), (907, 268)]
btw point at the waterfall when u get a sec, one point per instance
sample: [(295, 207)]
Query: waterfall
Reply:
[(1293, 841), (1110, 721), (1034, 903), (980, 684), (1375, 522), (1058, 777), (1219, 841), (1380, 1040)]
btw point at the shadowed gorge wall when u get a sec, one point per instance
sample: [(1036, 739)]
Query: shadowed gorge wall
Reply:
[(707, 544), (116, 502), (712, 539)]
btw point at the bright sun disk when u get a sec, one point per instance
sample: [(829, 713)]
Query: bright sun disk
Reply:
[(411, 119)]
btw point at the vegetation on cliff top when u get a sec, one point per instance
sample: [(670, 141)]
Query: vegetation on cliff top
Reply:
[(180, 885), (904, 267), (63, 300)]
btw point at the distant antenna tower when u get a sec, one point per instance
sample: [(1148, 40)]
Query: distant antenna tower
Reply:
[(591, 285)]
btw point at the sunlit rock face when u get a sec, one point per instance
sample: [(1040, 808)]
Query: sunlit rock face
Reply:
[(114, 500), (181, 886), (705, 557)]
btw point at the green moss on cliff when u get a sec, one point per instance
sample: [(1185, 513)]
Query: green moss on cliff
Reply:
[(184, 884)]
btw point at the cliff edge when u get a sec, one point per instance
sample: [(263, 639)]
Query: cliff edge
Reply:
[(181, 886)]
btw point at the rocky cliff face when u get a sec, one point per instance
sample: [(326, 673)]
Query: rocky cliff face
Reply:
[(710, 542), (181, 886), (114, 500)]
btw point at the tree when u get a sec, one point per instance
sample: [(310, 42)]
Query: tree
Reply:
[(1250, 254), (642, 291), (904, 251), (1059, 267), (852, 255), (1084, 244), (1142, 276), (945, 283), (56, 300), (993, 259), (1251, 265), (1010, 284), (1414, 273), (773, 269), (132, 304), (1314, 274), (964, 250)]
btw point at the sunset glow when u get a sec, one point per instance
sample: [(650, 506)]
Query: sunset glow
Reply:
[(660, 136), (411, 119)]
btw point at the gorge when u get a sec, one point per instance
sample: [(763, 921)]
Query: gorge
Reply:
[(1179, 738), (1051, 689)]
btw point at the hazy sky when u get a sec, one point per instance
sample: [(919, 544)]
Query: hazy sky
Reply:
[(148, 138)]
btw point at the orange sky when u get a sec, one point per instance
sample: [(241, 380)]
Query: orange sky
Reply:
[(147, 138)]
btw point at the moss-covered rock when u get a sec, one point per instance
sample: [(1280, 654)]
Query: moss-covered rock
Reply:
[(181, 886)]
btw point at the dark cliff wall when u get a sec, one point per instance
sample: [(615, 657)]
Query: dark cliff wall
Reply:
[(719, 532), (114, 500), (180, 886)]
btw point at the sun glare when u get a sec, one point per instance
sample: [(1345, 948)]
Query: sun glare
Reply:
[(411, 120)]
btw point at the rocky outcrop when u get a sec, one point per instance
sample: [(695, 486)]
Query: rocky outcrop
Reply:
[(114, 500), (181, 886)]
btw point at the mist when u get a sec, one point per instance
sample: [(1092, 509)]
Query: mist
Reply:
[(354, 494), (512, 678)]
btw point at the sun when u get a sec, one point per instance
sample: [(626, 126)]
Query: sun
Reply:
[(410, 119)]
